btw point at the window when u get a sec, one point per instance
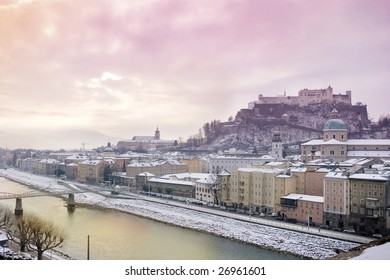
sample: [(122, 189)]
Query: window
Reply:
[(362, 211)]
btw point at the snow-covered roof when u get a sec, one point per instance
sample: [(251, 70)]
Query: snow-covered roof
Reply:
[(91, 162), (224, 173), (298, 169), (187, 176), (333, 142), (283, 176), (261, 170), (313, 142), (210, 180), (49, 160), (371, 177), (336, 175), (365, 153), (366, 142), (267, 157), (304, 197), (146, 174), (3, 236), (172, 182)]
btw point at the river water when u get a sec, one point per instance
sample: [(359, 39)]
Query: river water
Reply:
[(114, 235)]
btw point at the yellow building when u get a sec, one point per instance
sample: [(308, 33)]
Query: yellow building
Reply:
[(91, 171), (254, 189), (158, 168), (284, 185)]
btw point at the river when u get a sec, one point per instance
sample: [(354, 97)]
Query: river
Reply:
[(114, 235)]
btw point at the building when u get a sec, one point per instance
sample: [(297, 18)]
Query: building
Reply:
[(336, 199), (49, 167), (71, 171), (314, 181), (206, 189), (254, 189), (336, 146), (306, 97), (304, 208), (158, 168), (28, 164), (277, 146), (230, 163), (144, 143), (92, 171), (370, 201), (171, 187)]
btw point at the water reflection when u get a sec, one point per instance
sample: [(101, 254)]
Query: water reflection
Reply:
[(120, 236)]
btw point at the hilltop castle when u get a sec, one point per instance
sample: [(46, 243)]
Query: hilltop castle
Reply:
[(305, 97)]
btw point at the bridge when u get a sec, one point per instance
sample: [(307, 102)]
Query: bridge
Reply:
[(36, 193)]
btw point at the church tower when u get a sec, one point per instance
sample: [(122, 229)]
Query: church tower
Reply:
[(157, 134), (277, 146)]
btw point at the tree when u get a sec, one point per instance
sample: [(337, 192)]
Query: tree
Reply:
[(107, 172), (44, 235), (20, 231), (5, 218), (31, 231), (14, 159), (168, 190)]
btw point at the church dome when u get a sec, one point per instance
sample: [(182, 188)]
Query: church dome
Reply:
[(335, 124)]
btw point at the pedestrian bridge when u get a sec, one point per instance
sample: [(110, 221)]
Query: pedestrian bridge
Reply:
[(36, 193)]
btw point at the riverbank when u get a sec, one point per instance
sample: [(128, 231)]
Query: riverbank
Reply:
[(304, 245)]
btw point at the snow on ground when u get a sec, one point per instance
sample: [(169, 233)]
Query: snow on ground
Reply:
[(380, 252), (301, 244)]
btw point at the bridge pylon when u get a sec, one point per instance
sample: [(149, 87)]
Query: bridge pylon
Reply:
[(18, 207), (71, 202)]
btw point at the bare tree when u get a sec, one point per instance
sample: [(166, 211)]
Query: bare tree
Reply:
[(20, 231), (5, 218), (44, 235)]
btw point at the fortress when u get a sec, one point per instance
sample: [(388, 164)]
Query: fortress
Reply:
[(305, 97)]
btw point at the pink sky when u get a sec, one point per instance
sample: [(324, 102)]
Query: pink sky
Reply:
[(125, 67)]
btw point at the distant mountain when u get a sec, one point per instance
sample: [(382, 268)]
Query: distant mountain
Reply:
[(55, 139), (252, 129)]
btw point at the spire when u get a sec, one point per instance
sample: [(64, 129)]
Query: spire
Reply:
[(157, 134), (334, 114)]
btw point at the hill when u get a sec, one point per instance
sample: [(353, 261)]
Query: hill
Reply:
[(252, 129)]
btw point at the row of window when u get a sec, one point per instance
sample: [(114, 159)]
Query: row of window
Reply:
[(370, 212)]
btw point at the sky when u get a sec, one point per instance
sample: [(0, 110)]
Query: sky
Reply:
[(115, 69)]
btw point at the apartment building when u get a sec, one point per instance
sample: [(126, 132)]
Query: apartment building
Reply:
[(158, 168), (370, 201), (254, 188), (28, 164), (336, 199), (49, 167), (314, 181), (229, 163), (284, 185), (206, 189), (303, 208), (170, 187), (92, 171)]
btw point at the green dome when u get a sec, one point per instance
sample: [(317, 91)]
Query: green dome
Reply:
[(335, 124)]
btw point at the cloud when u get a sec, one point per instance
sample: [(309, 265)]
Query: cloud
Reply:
[(133, 64)]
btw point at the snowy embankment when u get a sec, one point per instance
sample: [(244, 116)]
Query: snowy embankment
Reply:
[(300, 244)]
